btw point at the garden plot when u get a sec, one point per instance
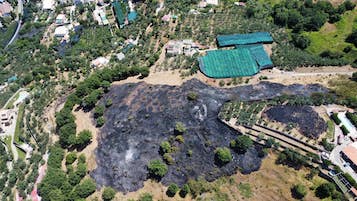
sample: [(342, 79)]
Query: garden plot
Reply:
[(304, 118), (143, 115)]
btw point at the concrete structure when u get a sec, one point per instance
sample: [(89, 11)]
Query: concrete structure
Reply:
[(98, 62), (23, 95), (61, 19), (5, 9), (100, 17), (174, 48), (349, 154), (204, 3), (48, 4), (61, 31), (120, 56), (186, 47), (6, 117)]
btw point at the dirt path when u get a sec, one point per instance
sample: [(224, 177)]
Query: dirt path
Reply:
[(84, 122)]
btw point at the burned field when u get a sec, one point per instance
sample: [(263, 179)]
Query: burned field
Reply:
[(308, 122), (142, 116)]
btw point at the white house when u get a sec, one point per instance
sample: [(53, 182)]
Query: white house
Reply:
[(48, 4), (61, 31)]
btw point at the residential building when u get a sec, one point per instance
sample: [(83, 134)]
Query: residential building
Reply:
[(174, 48), (186, 47), (99, 62), (61, 19), (5, 9), (6, 117), (61, 31), (349, 154), (48, 4)]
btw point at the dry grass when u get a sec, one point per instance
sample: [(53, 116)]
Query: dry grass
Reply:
[(271, 182)]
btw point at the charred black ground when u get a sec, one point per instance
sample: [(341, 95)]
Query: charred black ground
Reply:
[(143, 115), (305, 118)]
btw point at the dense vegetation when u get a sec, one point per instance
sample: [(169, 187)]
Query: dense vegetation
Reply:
[(299, 191), (65, 185)]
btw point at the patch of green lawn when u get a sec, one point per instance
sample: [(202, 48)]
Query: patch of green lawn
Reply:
[(18, 128), (330, 129), (334, 38), (22, 154)]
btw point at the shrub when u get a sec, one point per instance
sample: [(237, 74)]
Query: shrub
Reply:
[(241, 144), (108, 194), (189, 153), (180, 139), (70, 158), (352, 38), (192, 96), (165, 147), (223, 155), (352, 116), (335, 118), (100, 121), (198, 187), (99, 111), (325, 190), (298, 191), (172, 190), (180, 128), (301, 41), (145, 197), (350, 179), (328, 146), (108, 103), (85, 189), (344, 130), (221, 83), (157, 169), (184, 190), (168, 159), (84, 138)]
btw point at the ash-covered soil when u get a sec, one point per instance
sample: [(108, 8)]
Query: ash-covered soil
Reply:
[(143, 115), (305, 118)]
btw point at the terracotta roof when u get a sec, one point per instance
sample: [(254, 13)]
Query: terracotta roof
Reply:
[(351, 152), (5, 8), (354, 191)]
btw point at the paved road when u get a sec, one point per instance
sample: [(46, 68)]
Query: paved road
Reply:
[(295, 74), (19, 21)]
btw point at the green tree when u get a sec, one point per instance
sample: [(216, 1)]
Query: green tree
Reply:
[(301, 41), (57, 195), (354, 76), (184, 190), (299, 191), (71, 157), (165, 147), (180, 128), (84, 138), (108, 194), (325, 190), (157, 169), (172, 190), (100, 121), (223, 155), (99, 111), (67, 135), (85, 188), (241, 144)]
